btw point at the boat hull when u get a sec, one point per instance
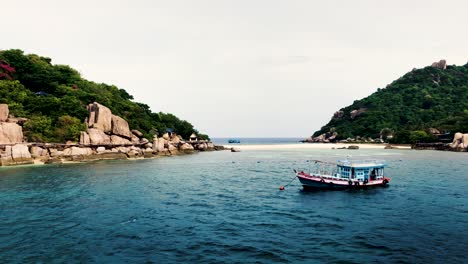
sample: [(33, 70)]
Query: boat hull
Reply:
[(317, 183)]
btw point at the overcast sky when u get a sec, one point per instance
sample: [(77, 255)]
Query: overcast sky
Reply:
[(241, 68)]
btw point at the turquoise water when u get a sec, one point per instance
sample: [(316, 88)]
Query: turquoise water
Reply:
[(223, 207)]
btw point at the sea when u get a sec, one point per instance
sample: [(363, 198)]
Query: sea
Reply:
[(224, 207)]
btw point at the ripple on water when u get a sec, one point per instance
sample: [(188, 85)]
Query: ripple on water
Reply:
[(224, 212)]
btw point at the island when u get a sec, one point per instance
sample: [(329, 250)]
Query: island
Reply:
[(50, 114)]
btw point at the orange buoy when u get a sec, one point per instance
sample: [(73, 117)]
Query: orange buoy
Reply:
[(281, 188)]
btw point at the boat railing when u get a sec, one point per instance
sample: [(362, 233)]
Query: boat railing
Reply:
[(360, 162)]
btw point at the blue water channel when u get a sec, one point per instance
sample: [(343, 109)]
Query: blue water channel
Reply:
[(223, 207)]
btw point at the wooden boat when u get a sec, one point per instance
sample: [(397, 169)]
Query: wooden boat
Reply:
[(345, 174)]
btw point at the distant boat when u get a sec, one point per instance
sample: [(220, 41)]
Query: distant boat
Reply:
[(233, 141), (348, 174)]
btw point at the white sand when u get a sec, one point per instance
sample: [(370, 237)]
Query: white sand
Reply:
[(312, 146)]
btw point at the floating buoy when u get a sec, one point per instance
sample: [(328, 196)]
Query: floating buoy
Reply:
[(281, 188)]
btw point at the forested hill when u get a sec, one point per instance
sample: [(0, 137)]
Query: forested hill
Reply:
[(54, 99), (433, 97)]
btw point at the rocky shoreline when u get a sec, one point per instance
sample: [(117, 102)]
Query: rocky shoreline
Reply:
[(107, 137)]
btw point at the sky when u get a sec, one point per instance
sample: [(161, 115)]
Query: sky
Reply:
[(257, 68)]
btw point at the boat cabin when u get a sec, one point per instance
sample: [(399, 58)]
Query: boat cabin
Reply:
[(363, 170)]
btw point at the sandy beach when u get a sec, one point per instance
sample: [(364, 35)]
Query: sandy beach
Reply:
[(311, 146)]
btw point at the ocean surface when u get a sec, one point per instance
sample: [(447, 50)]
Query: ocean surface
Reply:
[(223, 207), (257, 141)]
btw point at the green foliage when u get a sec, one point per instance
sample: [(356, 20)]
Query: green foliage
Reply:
[(38, 128), (68, 128), (67, 95), (419, 100)]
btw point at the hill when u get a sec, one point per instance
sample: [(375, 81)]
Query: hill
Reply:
[(408, 109), (54, 97)]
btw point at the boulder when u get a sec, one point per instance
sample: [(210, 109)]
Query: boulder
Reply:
[(98, 137), (161, 144), (101, 150), (150, 150), (210, 146), (144, 141), (166, 136), (442, 64), (460, 141), (137, 133), (175, 139), (37, 152), (202, 147), (116, 140), (135, 139), (434, 131), (172, 148), (55, 152), (120, 127), (20, 154), (149, 145), (338, 114), (122, 149), (186, 147), (10, 133), (84, 138), (357, 112), (3, 112), (76, 151), (100, 117)]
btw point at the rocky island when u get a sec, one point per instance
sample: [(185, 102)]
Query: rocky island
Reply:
[(107, 137), (427, 108), (50, 114)]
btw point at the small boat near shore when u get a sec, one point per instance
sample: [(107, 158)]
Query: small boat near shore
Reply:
[(345, 174), (230, 141)]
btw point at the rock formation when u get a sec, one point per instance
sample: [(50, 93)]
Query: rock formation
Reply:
[(442, 64), (116, 140), (98, 137), (100, 117), (107, 137), (460, 141), (10, 133), (3, 112), (120, 127), (338, 114), (16, 155), (137, 133), (357, 112)]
